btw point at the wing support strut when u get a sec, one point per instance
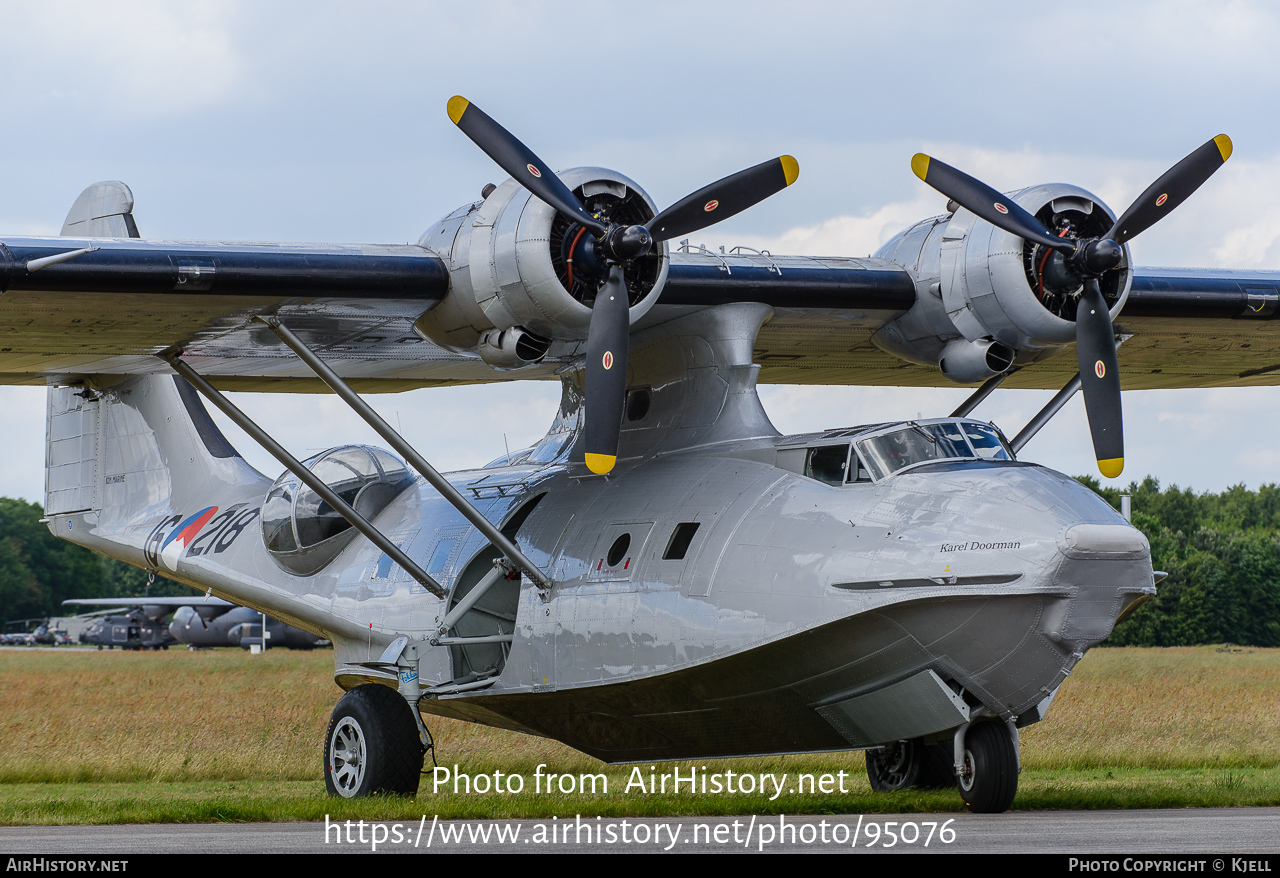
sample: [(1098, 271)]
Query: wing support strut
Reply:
[(291, 463), (514, 556), (1052, 408), (981, 393), (1046, 414)]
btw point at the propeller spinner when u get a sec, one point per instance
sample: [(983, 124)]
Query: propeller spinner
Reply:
[(1086, 259), (617, 245)]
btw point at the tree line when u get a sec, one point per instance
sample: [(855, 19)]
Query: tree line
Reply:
[(38, 571), (1222, 554)]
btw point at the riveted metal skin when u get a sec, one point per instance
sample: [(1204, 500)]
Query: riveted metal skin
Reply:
[(801, 616), (971, 284)]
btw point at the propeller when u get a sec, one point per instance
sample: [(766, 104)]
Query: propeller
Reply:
[(1084, 260), (617, 245)]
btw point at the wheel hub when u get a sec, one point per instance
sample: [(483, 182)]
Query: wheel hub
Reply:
[(347, 757)]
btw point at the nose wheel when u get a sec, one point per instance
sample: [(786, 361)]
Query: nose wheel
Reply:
[(372, 745)]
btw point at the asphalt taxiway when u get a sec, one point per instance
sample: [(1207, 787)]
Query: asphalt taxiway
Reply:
[(1210, 831)]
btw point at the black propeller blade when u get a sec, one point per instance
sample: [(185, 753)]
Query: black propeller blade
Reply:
[(724, 198), (1087, 260), (979, 198), (1100, 378), (519, 161), (606, 387), (1173, 188)]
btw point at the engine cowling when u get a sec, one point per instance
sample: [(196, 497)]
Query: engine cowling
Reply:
[(515, 285), (985, 298)]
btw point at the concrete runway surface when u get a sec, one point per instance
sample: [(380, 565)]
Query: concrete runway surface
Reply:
[(1224, 831)]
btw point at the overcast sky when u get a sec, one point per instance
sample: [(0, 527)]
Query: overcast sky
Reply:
[(326, 122)]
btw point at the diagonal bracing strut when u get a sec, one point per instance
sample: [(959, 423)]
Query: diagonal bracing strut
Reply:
[(291, 463), (508, 548)]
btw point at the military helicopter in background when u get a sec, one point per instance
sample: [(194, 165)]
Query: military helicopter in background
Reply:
[(197, 622), (663, 575)]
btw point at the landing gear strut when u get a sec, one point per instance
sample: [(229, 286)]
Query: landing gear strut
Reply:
[(372, 745)]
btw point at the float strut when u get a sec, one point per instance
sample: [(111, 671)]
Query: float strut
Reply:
[(293, 465), (981, 393), (416, 460), (1059, 400)]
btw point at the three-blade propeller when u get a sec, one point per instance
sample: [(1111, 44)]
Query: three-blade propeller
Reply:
[(617, 245), (1087, 259)]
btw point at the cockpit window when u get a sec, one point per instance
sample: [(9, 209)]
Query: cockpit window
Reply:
[(919, 443), (986, 442)]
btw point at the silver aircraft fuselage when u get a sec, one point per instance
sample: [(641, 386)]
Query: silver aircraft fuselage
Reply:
[(793, 599), (708, 598)]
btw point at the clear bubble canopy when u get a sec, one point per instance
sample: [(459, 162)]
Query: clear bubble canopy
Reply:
[(303, 532)]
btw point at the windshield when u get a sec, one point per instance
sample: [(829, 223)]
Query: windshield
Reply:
[(919, 443)]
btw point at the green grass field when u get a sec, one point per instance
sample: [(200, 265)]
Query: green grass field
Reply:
[(223, 735)]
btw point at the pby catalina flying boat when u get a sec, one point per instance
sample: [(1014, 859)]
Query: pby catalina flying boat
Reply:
[(662, 576)]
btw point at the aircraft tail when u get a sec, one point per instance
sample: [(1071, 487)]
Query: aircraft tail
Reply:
[(122, 455)]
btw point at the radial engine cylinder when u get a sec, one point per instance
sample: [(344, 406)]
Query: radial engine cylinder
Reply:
[(516, 264)]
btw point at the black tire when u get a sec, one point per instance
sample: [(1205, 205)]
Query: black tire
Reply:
[(990, 778), (372, 745), (894, 766)]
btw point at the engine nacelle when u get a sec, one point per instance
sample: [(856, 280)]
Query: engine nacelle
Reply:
[(985, 296), (513, 274)]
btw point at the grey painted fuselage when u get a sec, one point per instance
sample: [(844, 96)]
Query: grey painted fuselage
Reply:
[(797, 616)]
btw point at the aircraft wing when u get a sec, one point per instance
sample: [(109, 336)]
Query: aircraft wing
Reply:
[(1182, 328), (112, 309)]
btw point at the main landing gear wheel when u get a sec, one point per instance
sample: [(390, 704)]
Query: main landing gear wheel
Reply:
[(989, 779), (372, 745), (894, 766), (906, 764)]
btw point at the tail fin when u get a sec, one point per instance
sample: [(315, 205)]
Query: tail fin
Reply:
[(130, 451), (104, 210), (125, 451)]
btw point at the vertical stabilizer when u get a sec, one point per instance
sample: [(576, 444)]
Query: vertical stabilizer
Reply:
[(136, 449)]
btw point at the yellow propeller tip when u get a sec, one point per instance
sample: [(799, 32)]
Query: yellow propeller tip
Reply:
[(457, 106), (601, 464), (920, 164), (790, 168), (1224, 145), (1111, 468)]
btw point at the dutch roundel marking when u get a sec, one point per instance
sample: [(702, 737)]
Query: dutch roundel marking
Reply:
[(182, 536), (1000, 207), (608, 359), (1099, 369), (534, 171), (1162, 199), (711, 205)]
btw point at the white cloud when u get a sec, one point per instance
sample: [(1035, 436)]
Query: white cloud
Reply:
[(148, 57)]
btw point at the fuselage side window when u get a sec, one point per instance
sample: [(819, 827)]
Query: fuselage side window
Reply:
[(827, 464)]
